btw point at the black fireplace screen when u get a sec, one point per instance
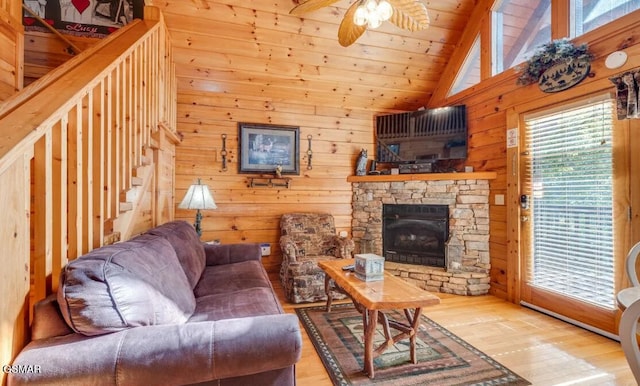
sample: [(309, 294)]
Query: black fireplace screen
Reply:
[(415, 234)]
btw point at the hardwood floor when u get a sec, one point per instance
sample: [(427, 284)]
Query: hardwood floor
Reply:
[(542, 349)]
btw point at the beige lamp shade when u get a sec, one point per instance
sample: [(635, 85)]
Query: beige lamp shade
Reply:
[(198, 197)]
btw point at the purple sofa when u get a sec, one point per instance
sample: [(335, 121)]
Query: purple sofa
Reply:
[(162, 309)]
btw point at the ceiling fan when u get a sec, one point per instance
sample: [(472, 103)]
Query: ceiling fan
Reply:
[(362, 14)]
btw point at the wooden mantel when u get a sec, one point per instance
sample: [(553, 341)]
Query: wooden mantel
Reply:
[(424, 177)]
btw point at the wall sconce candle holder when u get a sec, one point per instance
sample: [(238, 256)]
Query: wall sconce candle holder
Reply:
[(309, 152), (223, 152)]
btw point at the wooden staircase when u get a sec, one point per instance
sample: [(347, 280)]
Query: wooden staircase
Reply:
[(79, 163), (136, 214), (131, 205)]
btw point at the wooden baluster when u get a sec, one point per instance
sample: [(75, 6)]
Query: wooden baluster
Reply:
[(74, 183), (86, 226), (127, 123), (117, 140), (135, 117), (98, 160), (41, 218), (108, 147), (59, 200)]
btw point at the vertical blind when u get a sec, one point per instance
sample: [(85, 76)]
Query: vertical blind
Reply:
[(569, 173)]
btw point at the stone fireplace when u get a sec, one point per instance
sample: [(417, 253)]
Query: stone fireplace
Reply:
[(464, 268)]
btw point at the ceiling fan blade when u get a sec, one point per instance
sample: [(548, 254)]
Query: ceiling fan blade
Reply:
[(409, 14), (349, 32), (310, 5)]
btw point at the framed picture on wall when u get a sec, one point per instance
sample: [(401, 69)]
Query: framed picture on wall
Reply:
[(263, 147)]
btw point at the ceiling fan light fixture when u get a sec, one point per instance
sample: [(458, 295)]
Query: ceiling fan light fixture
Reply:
[(372, 13), (374, 21), (360, 17), (385, 10), (371, 5), (410, 15)]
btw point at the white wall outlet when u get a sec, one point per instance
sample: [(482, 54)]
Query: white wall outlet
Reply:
[(266, 249), (499, 199)]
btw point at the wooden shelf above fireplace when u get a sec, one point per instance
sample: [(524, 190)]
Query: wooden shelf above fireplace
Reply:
[(424, 177)]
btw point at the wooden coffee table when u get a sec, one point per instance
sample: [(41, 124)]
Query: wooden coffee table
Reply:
[(371, 298)]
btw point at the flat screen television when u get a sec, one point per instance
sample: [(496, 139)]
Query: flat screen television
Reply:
[(422, 136)]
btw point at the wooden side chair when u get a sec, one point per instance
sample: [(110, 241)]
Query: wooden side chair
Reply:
[(305, 239)]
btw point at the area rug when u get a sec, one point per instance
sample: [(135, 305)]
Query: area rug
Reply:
[(443, 358)]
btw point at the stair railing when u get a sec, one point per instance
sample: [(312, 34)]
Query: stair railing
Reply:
[(68, 145)]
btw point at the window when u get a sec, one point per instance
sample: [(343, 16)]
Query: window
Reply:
[(569, 175), (469, 73), (591, 14), (518, 28)]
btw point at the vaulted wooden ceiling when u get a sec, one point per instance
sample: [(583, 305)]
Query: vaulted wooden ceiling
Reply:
[(256, 48)]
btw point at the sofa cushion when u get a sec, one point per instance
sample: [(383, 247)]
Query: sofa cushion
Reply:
[(47, 319), (135, 283), (232, 277), (236, 304), (189, 249)]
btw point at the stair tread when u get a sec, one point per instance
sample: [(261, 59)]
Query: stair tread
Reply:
[(112, 238)]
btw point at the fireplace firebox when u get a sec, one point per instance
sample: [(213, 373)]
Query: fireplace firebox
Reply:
[(415, 233)]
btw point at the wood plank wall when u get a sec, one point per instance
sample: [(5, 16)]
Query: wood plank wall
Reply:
[(253, 62), (165, 159), (247, 214), (14, 279), (44, 51), (11, 51), (490, 104), (251, 214), (215, 93)]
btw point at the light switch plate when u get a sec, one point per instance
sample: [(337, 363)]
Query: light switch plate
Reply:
[(499, 199), (266, 249)]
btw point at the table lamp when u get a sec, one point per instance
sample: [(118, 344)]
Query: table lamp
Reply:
[(198, 197)]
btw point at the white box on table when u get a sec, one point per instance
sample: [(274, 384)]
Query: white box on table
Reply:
[(369, 267)]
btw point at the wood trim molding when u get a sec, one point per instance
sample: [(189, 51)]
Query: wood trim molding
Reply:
[(173, 136), (424, 177)]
